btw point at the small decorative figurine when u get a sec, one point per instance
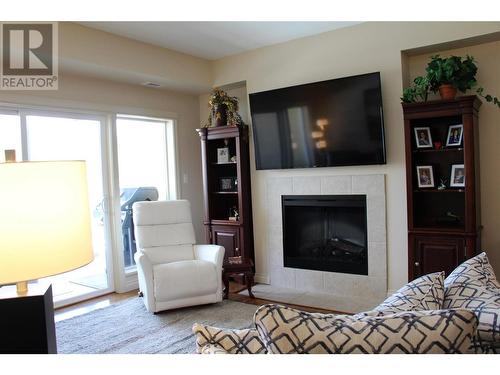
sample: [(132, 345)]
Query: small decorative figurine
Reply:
[(442, 183), (234, 215)]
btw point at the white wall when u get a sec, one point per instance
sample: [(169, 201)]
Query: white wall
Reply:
[(91, 52), (363, 48)]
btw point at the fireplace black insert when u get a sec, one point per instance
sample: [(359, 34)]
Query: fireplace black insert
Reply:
[(325, 233)]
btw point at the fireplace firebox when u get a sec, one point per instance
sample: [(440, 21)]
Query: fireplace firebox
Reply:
[(325, 233)]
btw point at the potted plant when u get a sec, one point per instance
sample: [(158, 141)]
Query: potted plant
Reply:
[(447, 75), (218, 108), (223, 109)]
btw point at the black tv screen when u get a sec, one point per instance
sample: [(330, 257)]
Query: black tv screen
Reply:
[(331, 123)]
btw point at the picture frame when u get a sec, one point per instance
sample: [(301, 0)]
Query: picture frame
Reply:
[(455, 135), (423, 137), (457, 178), (425, 176), (223, 155), (227, 184)]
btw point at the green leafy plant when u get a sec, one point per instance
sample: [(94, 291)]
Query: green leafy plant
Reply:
[(220, 97), (488, 97), (418, 91), (460, 72), (454, 70)]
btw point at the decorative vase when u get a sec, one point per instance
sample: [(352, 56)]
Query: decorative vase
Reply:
[(219, 115), (447, 92)]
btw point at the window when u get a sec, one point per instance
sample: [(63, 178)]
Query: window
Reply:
[(10, 133), (146, 165)]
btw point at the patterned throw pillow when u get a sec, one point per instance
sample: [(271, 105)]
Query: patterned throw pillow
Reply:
[(233, 341), (424, 293), (212, 349), (473, 286), (476, 271), (286, 330), (485, 303)]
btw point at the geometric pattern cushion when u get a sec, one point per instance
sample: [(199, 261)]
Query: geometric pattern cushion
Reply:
[(286, 330), (476, 271), (424, 293), (485, 303), (473, 285), (231, 341), (212, 349)]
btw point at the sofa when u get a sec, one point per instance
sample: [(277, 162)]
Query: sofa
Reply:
[(459, 314)]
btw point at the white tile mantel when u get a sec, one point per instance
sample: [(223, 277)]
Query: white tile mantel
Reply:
[(373, 285)]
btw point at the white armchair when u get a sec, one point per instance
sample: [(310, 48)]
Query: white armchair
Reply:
[(173, 271)]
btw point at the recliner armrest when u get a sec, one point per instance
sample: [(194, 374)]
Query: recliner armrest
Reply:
[(215, 255), (210, 253), (145, 276)]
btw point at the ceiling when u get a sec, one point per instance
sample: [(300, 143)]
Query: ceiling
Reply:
[(214, 40)]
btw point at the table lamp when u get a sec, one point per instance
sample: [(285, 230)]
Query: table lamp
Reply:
[(44, 230)]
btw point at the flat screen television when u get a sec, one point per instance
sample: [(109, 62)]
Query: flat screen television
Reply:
[(332, 123)]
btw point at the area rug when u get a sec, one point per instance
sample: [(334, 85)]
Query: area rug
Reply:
[(127, 328)]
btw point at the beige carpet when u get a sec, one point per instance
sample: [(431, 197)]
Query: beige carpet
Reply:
[(127, 328)]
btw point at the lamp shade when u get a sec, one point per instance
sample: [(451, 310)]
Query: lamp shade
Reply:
[(44, 219)]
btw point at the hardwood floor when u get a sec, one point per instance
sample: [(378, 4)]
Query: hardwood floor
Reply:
[(109, 299), (235, 288)]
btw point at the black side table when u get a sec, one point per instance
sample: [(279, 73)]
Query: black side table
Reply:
[(243, 266)]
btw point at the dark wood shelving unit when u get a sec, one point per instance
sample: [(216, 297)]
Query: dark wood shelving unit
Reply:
[(443, 224), (235, 236)]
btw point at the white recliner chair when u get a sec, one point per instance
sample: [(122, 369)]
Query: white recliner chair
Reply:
[(173, 271)]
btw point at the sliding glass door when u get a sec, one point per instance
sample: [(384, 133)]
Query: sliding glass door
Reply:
[(129, 158), (38, 136), (76, 137)]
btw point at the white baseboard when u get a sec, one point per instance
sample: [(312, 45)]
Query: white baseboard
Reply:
[(262, 279)]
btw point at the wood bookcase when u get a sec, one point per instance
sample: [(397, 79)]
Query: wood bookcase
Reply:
[(443, 224), (235, 236)]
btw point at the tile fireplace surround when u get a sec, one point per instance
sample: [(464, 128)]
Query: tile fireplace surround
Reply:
[(372, 287)]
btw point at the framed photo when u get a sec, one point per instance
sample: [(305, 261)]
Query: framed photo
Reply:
[(455, 134), (223, 155), (227, 184), (457, 178), (425, 176), (423, 137)]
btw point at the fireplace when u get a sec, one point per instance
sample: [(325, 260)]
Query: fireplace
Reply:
[(325, 233)]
